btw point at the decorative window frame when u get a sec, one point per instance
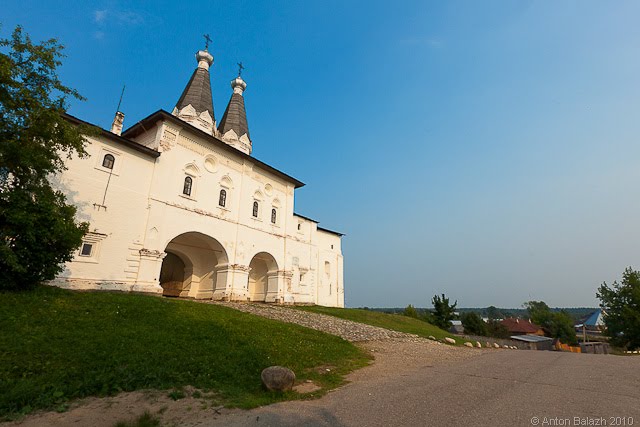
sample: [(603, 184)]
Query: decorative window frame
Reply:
[(95, 240), (117, 160), (111, 158), (255, 213), (192, 171), (187, 186), (275, 206), (257, 198), (226, 184), (222, 198)]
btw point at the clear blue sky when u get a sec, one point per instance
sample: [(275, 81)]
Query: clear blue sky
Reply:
[(488, 150)]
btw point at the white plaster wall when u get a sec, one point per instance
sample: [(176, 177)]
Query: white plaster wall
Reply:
[(146, 210), (331, 286), (122, 218), (304, 263)]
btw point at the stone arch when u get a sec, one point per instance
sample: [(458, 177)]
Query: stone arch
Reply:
[(194, 266), (263, 277), (172, 274)]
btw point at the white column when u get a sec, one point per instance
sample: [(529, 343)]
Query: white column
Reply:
[(223, 283), (278, 284), (149, 272), (340, 282), (238, 283)]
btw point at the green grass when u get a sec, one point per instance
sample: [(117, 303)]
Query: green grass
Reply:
[(58, 345), (394, 322)]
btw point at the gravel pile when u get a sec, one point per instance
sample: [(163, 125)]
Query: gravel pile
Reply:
[(347, 329)]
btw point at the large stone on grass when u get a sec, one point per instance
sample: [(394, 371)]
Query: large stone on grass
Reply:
[(468, 344), (278, 378), (450, 340)]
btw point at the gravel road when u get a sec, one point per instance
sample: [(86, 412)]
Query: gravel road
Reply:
[(411, 386), (347, 329)]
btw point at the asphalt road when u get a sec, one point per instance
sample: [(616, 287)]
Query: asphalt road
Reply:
[(496, 388)]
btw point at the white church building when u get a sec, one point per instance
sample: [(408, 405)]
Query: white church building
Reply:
[(178, 206)]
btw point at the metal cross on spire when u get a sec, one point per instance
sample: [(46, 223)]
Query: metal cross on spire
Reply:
[(240, 68), (207, 41)]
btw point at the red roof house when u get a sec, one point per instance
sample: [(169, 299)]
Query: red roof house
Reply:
[(522, 327)]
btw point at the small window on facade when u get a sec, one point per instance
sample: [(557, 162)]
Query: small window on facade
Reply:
[(255, 209), (108, 161), (274, 214), (331, 246), (299, 226), (188, 183), (86, 249), (222, 201)]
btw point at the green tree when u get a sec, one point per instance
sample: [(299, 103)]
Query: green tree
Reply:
[(539, 312), (496, 329), (443, 313), (410, 311), (621, 303), (38, 231), (556, 324), (473, 324), (493, 313), (562, 326)]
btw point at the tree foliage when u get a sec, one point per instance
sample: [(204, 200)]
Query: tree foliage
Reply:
[(410, 311), (558, 324), (38, 231), (473, 324), (621, 304), (539, 312), (496, 329), (443, 313), (493, 313)]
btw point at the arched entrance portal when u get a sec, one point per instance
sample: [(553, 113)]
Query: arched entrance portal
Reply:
[(263, 276), (192, 265), (172, 275)]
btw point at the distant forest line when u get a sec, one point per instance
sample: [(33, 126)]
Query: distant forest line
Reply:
[(578, 313)]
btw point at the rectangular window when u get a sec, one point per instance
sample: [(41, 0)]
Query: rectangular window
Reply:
[(87, 249)]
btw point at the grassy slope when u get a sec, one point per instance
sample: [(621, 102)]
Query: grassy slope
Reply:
[(57, 345), (394, 322)]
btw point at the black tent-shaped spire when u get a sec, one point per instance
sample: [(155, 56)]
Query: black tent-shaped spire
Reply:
[(235, 116), (198, 90)]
